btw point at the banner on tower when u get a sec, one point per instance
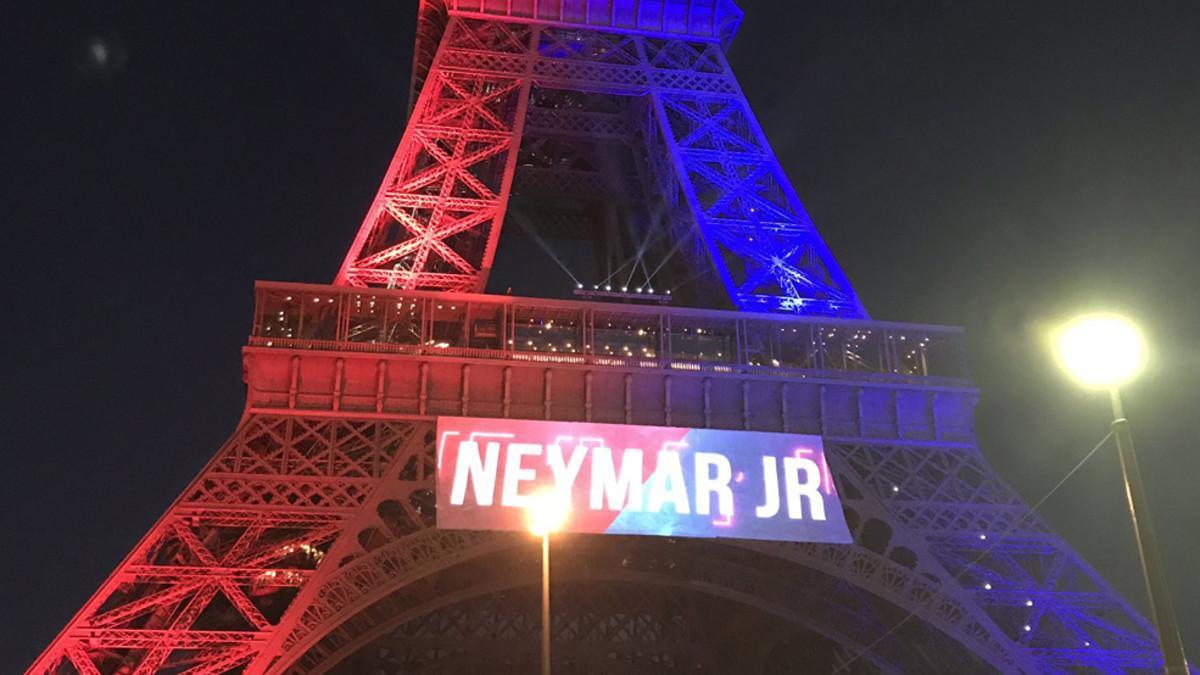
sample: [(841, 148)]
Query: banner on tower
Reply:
[(493, 474)]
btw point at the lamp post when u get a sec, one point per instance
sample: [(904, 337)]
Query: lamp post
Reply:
[(546, 513), (1103, 351)]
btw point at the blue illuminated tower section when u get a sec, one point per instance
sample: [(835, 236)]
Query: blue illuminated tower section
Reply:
[(747, 216)]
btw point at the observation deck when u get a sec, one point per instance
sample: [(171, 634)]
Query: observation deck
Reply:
[(398, 352), (507, 328)]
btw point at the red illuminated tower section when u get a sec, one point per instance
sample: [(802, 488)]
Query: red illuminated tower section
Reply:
[(613, 130), (437, 218)]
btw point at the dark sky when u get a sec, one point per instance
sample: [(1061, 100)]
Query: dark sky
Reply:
[(995, 165)]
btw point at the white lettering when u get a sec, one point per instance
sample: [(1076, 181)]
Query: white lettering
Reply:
[(515, 474), (622, 491), (565, 473), (770, 490), (668, 484), (707, 484), (792, 466), (471, 467)]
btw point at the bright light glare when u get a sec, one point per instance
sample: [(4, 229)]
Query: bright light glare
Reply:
[(1101, 350), (547, 512)]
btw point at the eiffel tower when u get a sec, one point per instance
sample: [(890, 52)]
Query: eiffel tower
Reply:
[(613, 130)]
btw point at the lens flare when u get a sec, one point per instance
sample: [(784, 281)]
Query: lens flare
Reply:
[(1101, 350), (547, 512)]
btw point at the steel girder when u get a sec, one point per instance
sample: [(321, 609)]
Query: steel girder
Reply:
[(436, 220), (208, 584), (307, 538), (1041, 594)]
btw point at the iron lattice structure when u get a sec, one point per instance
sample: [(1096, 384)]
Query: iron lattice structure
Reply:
[(308, 544), (436, 220)]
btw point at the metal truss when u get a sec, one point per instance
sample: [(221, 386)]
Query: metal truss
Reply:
[(307, 545), (308, 540), (437, 217), (1029, 582), (205, 588)]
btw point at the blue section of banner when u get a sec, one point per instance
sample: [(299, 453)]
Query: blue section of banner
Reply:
[(751, 516)]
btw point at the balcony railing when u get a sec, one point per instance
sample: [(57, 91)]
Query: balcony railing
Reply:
[(305, 316)]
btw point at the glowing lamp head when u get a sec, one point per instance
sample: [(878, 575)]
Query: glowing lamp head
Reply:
[(1101, 350), (547, 512)]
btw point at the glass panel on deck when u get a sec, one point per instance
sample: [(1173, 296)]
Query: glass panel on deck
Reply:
[(781, 345), (703, 339), (908, 356), (318, 316), (449, 326), (548, 329), (486, 326), (943, 352), (279, 314), (366, 318), (625, 335), (861, 349), (403, 325), (924, 352)]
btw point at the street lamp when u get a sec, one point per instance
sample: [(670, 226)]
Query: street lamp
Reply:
[(547, 512), (1103, 351)]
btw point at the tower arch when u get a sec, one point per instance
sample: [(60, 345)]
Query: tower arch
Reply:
[(816, 598)]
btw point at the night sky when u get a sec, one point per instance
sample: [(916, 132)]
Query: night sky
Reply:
[(995, 165)]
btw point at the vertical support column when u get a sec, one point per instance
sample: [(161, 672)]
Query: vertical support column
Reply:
[(628, 398), (587, 396), (862, 413), (746, 414), (380, 385), (339, 377), (506, 405), (707, 402), (423, 390), (293, 381), (934, 418), (785, 423), (667, 399), (466, 389), (823, 407)]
